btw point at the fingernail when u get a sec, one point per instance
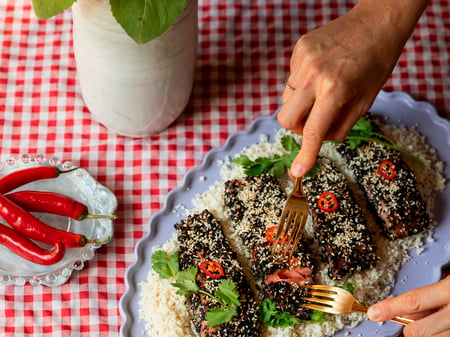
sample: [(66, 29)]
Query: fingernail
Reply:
[(297, 170), (374, 313)]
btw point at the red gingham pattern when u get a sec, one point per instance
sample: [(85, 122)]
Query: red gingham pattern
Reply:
[(244, 52)]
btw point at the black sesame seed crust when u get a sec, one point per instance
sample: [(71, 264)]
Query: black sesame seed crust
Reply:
[(342, 235), (201, 238), (399, 208), (254, 204)]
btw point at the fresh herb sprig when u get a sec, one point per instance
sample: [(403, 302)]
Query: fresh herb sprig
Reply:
[(277, 165), (270, 315), (226, 295), (363, 132)]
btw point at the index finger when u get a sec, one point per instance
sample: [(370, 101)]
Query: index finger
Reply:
[(315, 129)]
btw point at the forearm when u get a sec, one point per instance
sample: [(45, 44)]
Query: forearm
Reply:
[(401, 16)]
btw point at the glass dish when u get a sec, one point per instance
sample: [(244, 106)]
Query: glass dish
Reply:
[(79, 185), (397, 108)]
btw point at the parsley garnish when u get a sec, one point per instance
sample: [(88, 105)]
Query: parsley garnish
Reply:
[(277, 165), (166, 266), (350, 287), (270, 315), (225, 295), (363, 132)]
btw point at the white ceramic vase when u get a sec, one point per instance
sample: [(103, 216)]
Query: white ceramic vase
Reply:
[(133, 90)]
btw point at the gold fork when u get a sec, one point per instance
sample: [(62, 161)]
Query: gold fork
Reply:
[(292, 222), (335, 300)]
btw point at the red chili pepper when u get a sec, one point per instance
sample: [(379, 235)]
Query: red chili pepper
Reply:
[(387, 169), (18, 178), (211, 268), (35, 229), (27, 249), (271, 233), (55, 203), (328, 202)]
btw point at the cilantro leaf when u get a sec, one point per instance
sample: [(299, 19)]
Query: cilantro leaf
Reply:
[(242, 160), (186, 281), (217, 316), (314, 170), (318, 316), (275, 165), (271, 316), (350, 287), (363, 126), (289, 144), (227, 293), (166, 266)]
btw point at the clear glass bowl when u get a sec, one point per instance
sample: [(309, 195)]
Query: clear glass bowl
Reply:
[(79, 185)]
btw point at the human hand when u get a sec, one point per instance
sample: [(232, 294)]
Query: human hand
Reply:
[(338, 69), (429, 306)]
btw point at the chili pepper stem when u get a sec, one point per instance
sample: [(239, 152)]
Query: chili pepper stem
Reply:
[(85, 216), (98, 240), (59, 171)]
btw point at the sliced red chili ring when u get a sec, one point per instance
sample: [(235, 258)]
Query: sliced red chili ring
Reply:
[(328, 202), (387, 169), (211, 268), (271, 233)]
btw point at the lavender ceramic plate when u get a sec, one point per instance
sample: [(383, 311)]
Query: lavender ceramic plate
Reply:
[(398, 108)]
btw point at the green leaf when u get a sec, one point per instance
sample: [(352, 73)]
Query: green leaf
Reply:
[(362, 125), (227, 293), (259, 166), (166, 266), (45, 9), (318, 316), (314, 170), (278, 168), (289, 144), (271, 316), (350, 287), (217, 316), (186, 282), (242, 160), (144, 20)]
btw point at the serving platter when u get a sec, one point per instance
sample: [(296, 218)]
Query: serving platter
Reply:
[(396, 108), (79, 185)]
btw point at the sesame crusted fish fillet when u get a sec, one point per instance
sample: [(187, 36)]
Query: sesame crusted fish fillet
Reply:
[(339, 224), (202, 242), (390, 187), (254, 205)]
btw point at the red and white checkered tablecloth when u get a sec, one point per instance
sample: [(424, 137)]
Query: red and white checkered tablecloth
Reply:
[(244, 52)]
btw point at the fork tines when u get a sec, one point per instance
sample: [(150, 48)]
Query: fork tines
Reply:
[(320, 297), (289, 233), (292, 222)]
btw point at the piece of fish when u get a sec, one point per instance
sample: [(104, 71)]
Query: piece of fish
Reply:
[(340, 227), (201, 239), (254, 204), (390, 187)]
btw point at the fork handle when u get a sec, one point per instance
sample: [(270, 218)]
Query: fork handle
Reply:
[(298, 188), (402, 320)]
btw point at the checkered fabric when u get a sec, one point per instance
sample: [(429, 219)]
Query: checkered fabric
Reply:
[(244, 52)]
